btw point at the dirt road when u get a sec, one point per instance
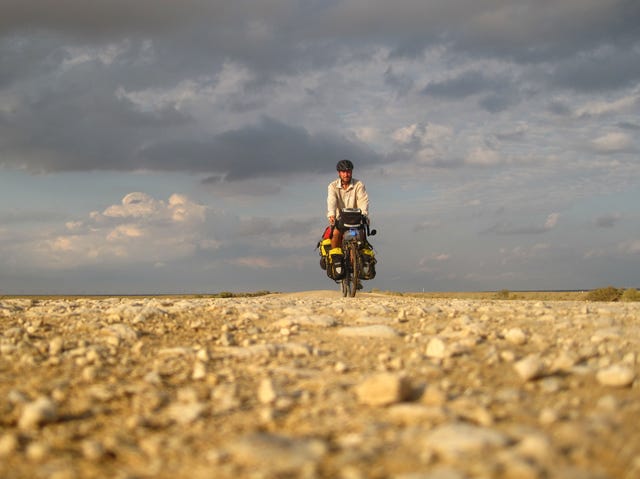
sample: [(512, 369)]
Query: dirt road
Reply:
[(314, 385)]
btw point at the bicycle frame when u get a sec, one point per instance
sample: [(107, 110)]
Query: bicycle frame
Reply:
[(352, 241)]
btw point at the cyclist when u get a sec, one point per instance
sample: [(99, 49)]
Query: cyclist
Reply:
[(344, 192)]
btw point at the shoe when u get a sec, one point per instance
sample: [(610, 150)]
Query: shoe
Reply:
[(359, 285)]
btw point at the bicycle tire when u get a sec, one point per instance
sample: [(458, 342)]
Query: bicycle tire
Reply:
[(344, 285), (354, 268)]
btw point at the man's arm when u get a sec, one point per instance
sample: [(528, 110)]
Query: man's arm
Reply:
[(362, 198), (332, 203)]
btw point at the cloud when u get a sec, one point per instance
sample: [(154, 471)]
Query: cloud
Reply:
[(509, 229), (141, 229), (430, 263), (268, 149), (631, 247), (608, 220), (523, 254), (613, 142), (254, 262), (428, 144), (483, 157), (463, 85), (597, 108), (605, 68)]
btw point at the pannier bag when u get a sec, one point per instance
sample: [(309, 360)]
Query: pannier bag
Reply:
[(351, 216), (368, 263), (325, 246), (335, 268)]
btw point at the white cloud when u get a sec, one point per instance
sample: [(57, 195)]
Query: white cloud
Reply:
[(254, 262), (552, 221), (612, 142), (609, 107), (134, 205), (631, 247), (139, 229), (483, 157)]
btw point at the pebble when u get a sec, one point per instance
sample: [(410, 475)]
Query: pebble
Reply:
[(267, 391), (38, 413), (436, 349), (530, 367), (616, 376), (277, 454), (8, 444), (383, 389), (516, 336), (373, 331), (457, 441), (185, 412)]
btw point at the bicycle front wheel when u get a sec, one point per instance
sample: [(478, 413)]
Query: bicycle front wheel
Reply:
[(345, 285), (354, 269)]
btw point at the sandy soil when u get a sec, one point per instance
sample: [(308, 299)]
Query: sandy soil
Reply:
[(314, 385)]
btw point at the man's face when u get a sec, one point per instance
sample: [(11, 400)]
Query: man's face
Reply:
[(345, 176)]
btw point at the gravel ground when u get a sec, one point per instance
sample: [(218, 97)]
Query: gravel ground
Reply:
[(312, 385)]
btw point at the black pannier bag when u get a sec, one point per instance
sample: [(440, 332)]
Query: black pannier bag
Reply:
[(351, 216), (335, 268), (368, 262)]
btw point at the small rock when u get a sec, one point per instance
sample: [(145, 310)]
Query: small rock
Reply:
[(373, 331), (8, 444), (278, 455), (516, 336), (616, 376), (267, 392), (37, 451), (37, 413), (413, 413), (436, 349), (456, 441), (199, 371), (56, 345), (529, 368), (185, 412), (383, 389), (340, 367), (93, 450), (548, 416), (535, 446)]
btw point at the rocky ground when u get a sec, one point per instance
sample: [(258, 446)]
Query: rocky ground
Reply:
[(317, 386)]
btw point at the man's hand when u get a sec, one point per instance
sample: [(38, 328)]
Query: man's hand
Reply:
[(332, 220)]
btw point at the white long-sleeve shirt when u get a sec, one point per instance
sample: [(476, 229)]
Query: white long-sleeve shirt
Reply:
[(353, 196)]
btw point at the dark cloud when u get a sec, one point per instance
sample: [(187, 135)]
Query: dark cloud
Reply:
[(67, 116), (627, 125), (464, 85), (269, 149), (107, 17), (607, 221), (501, 93), (605, 69), (507, 228)]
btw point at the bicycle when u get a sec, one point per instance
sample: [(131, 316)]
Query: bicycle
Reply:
[(357, 256)]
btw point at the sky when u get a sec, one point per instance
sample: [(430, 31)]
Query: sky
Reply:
[(158, 146)]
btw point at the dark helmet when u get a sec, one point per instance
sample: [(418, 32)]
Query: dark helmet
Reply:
[(344, 165)]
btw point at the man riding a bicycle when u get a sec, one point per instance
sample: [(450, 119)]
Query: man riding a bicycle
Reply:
[(344, 192), (349, 257)]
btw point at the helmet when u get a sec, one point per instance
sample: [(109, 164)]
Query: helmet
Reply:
[(344, 165)]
